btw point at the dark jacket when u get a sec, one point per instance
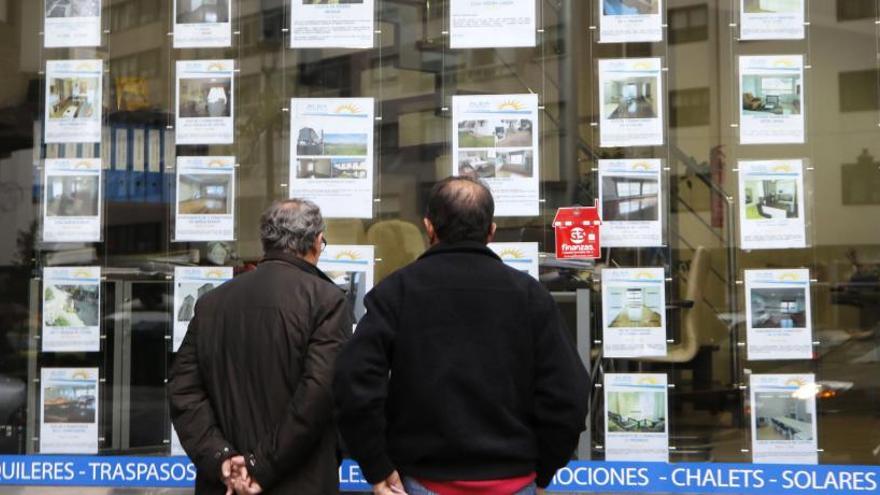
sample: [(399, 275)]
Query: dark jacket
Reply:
[(253, 377), (484, 382)]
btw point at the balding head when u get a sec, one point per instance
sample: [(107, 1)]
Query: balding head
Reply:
[(461, 209)]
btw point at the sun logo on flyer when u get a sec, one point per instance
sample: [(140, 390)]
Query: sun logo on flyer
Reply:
[(84, 66), (82, 164), (348, 255), (646, 380), (348, 108), (511, 105), (642, 65), (783, 62), (644, 275), (217, 66), (511, 254), (790, 276), (782, 167), (214, 274), (80, 375), (82, 274), (641, 166), (216, 164)]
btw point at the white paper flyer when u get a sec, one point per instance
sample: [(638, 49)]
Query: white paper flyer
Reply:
[(784, 419), (69, 410), (74, 101), (72, 23), (778, 313), (205, 207), (520, 255), (71, 309), (633, 312), (176, 447), (771, 204), (626, 21), (495, 139), (190, 284), (331, 154), (492, 23), (72, 199), (772, 96), (631, 202), (636, 413), (202, 23), (205, 101), (772, 19), (631, 98), (351, 269), (334, 24)]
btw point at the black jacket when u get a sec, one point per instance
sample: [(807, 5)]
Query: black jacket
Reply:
[(484, 382), (253, 377)]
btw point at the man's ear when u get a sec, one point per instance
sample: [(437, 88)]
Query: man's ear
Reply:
[(492, 229), (429, 228)]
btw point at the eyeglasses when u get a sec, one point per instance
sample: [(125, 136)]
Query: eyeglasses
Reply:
[(323, 243)]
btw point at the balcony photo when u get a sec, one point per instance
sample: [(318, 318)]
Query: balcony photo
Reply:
[(631, 98), (202, 11), (204, 194)]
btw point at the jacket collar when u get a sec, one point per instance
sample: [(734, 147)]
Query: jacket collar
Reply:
[(296, 261), (472, 247)]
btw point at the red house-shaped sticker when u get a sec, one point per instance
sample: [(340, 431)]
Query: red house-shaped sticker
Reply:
[(577, 232)]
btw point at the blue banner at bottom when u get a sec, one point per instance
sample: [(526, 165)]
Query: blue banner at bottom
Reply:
[(578, 476)]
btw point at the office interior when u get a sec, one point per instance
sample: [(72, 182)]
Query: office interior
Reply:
[(413, 74)]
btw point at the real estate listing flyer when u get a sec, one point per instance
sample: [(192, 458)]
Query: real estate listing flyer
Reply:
[(322, 24), (492, 23), (636, 417), (629, 21), (69, 410), (72, 199), (772, 96), (783, 418), (202, 23), (205, 95), (771, 204), (778, 316), (331, 154), (631, 101), (74, 101), (631, 202), (71, 309), (176, 447), (522, 256), (72, 23), (495, 139), (633, 312), (190, 284), (351, 268), (205, 206), (772, 19)]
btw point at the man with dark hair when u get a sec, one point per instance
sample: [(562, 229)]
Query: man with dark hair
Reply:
[(460, 378), (250, 389)]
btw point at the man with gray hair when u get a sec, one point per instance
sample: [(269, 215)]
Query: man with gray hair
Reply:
[(250, 389)]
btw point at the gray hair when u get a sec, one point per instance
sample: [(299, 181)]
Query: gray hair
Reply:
[(291, 225)]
